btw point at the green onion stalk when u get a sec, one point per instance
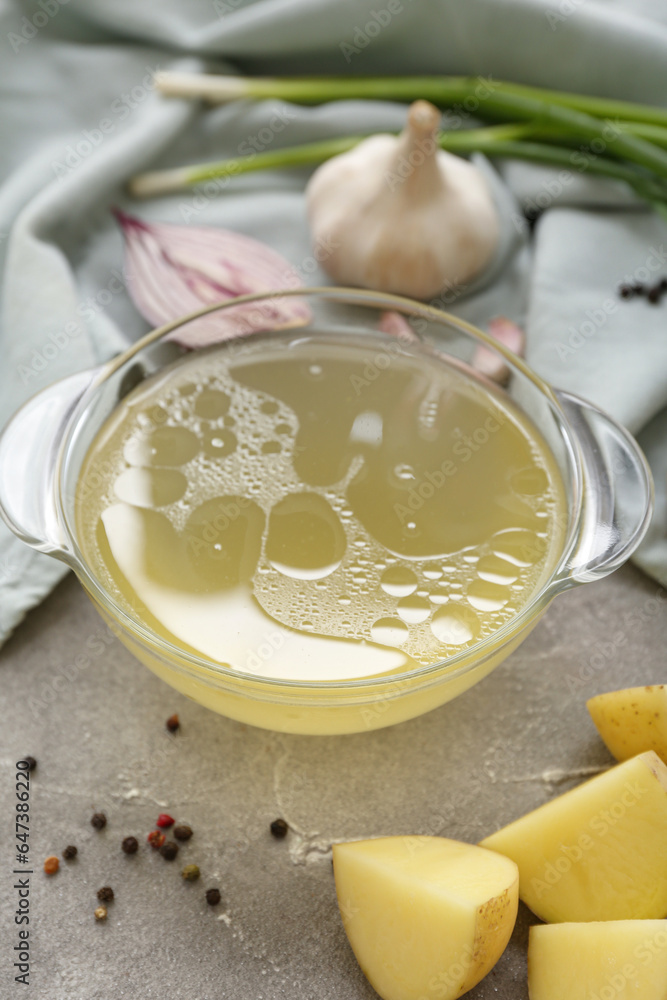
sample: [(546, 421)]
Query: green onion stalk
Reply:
[(615, 139)]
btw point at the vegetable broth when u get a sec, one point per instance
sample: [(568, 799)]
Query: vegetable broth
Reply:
[(320, 508)]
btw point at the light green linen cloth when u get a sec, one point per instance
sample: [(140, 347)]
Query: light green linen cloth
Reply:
[(78, 117)]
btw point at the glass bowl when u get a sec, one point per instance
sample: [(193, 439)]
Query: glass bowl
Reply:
[(605, 477)]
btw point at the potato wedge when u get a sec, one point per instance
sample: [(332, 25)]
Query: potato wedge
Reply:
[(632, 720), (598, 852), (425, 916), (611, 960)]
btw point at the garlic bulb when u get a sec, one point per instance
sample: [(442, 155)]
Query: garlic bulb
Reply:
[(401, 215)]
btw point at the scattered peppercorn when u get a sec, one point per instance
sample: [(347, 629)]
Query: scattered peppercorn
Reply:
[(105, 894), (191, 873), (31, 762), (98, 820), (130, 845), (279, 828), (164, 821), (70, 852), (531, 216), (169, 850), (155, 839), (212, 897), (173, 723), (182, 831), (51, 865), (101, 913), (654, 294)]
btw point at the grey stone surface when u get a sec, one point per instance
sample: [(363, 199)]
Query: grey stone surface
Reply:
[(97, 731)]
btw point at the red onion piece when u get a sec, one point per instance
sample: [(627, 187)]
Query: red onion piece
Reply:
[(173, 270)]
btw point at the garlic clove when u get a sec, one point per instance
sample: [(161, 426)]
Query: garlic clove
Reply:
[(397, 326), (403, 215), (487, 362)]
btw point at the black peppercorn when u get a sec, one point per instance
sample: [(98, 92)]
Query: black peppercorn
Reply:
[(70, 852), (31, 762), (212, 897), (105, 894), (626, 291), (130, 845), (532, 215), (172, 723), (654, 294), (169, 850), (279, 828), (98, 820), (182, 831)]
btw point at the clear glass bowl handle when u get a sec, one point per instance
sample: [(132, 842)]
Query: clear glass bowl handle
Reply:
[(29, 447), (617, 493)]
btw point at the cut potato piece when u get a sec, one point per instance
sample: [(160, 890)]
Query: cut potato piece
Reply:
[(612, 960), (632, 721), (599, 852), (425, 916)]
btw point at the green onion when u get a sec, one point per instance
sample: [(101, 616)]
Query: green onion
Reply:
[(440, 90), (614, 139), (499, 141)]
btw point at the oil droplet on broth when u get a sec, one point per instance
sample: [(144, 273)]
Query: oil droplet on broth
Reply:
[(168, 446), (305, 539), (212, 404), (496, 570), (218, 443), (150, 487), (336, 521), (413, 609), (485, 596), (518, 546), (455, 626), (389, 632), (531, 481), (398, 581)]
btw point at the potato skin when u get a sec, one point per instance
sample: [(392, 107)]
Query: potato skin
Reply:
[(632, 720)]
